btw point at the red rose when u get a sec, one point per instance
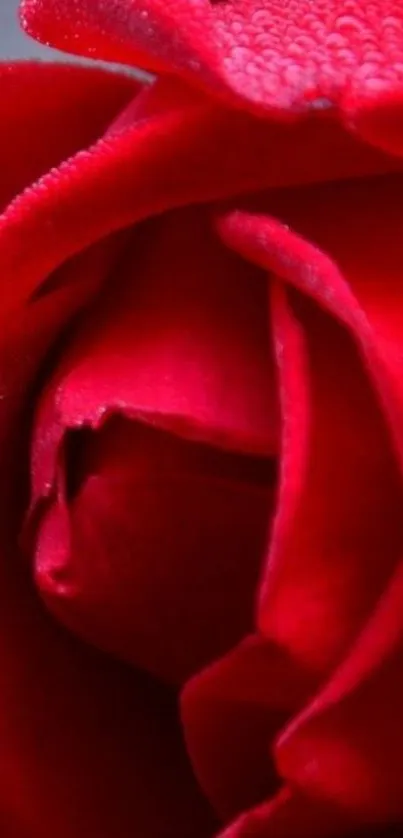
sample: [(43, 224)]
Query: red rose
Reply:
[(201, 585)]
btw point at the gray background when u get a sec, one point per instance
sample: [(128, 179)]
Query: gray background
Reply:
[(13, 42)]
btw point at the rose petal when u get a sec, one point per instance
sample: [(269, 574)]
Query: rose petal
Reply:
[(325, 246), (232, 712), (158, 557), (182, 343), (84, 742), (26, 341), (340, 502), (154, 165), (347, 745), (291, 814), (281, 58), (70, 105), (180, 340)]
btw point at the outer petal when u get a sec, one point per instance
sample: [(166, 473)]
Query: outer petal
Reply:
[(232, 713), (341, 497), (291, 814), (283, 57), (334, 245), (50, 111), (85, 744), (28, 338), (346, 746), (181, 155)]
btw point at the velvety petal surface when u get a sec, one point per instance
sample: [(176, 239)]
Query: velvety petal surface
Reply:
[(49, 112), (84, 742), (156, 163), (180, 338), (344, 253), (232, 712), (333, 581), (157, 558), (182, 526), (333, 243), (353, 728), (282, 57), (324, 575), (25, 344), (338, 531), (340, 501), (290, 814)]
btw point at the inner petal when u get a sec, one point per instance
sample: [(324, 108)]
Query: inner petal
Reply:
[(180, 338), (155, 523), (156, 557)]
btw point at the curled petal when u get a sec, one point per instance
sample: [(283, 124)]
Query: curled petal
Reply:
[(290, 814), (157, 557), (284, 58), (182, 348), (232, 713), (84, 742), (153, 164), (72, 105), (346, 747), (340, 498)]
